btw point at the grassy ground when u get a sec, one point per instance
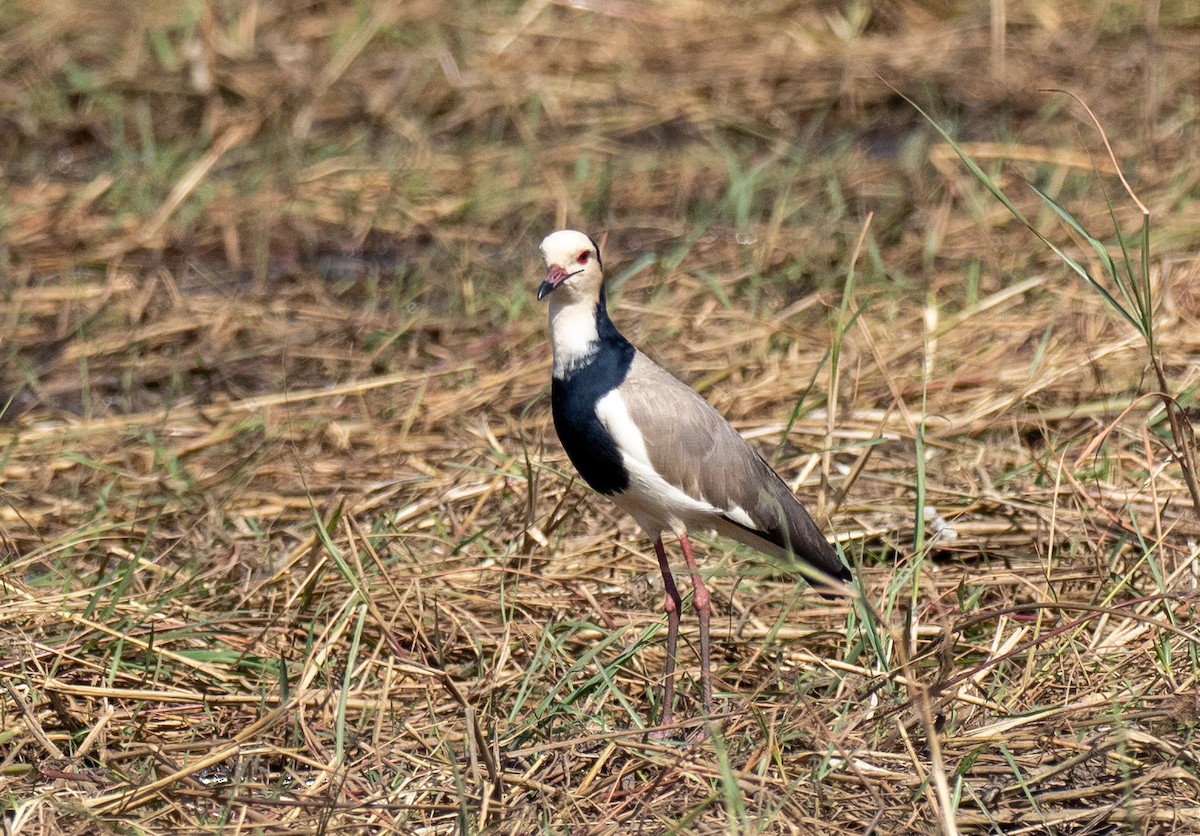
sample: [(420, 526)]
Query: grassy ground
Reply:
[(290, 545)]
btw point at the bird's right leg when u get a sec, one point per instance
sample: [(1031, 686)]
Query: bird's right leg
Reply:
[(673, 604), (700, 600)]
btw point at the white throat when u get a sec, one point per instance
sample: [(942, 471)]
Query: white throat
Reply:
[(573, 333)]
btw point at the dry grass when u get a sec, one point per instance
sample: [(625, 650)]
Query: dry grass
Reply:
[(290, 545)]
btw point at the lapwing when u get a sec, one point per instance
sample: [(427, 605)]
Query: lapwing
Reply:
[(659, 451)]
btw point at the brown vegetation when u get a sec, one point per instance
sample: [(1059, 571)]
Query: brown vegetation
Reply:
[(290, 545)]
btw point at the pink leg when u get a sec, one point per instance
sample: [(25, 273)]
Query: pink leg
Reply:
[(672, 605), (700, 598)]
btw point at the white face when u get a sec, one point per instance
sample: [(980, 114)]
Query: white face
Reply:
[(573, 264), (574, 278), (565, 247)]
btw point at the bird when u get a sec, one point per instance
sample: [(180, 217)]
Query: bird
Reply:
[(661, 453)]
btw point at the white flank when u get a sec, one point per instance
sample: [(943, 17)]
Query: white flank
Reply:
[(656, 504), (572, 334), (738, 514)]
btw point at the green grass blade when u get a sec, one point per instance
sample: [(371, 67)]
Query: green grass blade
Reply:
[(1105, 259)]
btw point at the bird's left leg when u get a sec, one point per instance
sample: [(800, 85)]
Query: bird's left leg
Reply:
[(672, 604), (701, 600)]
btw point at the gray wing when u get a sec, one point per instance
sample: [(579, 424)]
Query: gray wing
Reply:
[(695, 449)]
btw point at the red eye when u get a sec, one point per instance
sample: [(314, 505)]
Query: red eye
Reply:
[(583, 257)]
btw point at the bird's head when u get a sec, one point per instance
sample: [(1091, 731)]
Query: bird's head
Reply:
[(572, 263)]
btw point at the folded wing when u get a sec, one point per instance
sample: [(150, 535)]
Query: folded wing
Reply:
[(695, 449)]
